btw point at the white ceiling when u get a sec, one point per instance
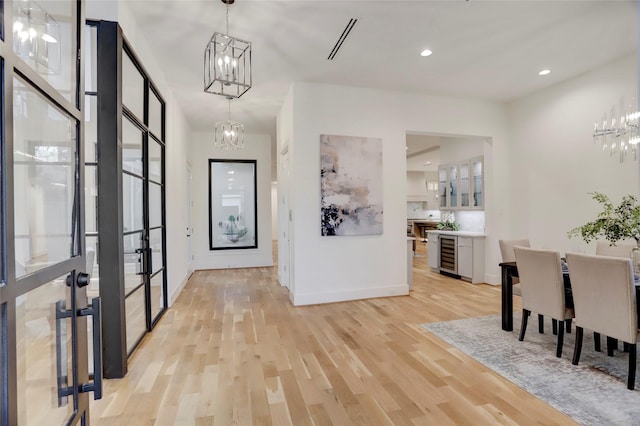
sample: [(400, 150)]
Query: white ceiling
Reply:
[(489, 50)]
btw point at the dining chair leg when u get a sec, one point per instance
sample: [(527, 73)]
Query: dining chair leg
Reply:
[(631, 380), (540, 323), (596, 342), (568, 322), (554, 326), (577, 347), (523, 325), (560, 339), (611, 345)]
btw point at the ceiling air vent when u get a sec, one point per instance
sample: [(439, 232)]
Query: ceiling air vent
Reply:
[(343, 37)]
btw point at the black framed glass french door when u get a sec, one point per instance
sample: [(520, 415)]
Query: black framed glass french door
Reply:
[(129, 130), (44, 309)]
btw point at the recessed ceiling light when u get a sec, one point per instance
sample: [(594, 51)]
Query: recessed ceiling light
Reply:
[(426, 52), (544, 72), (427, 163)]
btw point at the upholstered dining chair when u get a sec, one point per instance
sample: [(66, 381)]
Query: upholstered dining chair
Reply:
[(506, 250), (621, 249), (542, 288), (605, 302)]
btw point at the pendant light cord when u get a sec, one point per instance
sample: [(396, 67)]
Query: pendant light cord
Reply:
[(227, 18)]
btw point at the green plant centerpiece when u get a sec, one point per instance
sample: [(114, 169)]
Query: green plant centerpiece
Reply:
[(613, 223), (448, 223)]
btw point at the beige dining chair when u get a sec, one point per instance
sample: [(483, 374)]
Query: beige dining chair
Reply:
[(506, 250), (542, 288), (604, 298), (621, 249)]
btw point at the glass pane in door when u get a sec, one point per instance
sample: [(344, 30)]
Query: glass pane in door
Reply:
[(136, 317), (132, 211), (157, 297), (155, 205), (44, 161), (155, 115), (155, 161), (43, 34), (132, 262), (131, 147), (44, 342), (132, 87), (155, 243)]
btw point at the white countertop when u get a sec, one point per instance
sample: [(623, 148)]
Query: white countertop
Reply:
[(459, 233)]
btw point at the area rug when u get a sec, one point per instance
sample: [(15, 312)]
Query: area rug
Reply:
[(592, 393)]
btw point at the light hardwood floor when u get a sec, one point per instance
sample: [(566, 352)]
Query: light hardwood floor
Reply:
[(233, 351)]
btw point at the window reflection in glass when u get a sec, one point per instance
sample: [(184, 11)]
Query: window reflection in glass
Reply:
[(43, 38), (155, 115), (44, 185), (157, 299), (131, 147), (132, 203), (37, 328), (91, 55), (132, 87), (91, 129), (91, 198), (132, 261), (155, 243), (155, 160), (136, 317), (155, 205), (93, 268)]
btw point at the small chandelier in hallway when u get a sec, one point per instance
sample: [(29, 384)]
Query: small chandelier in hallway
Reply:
[(229, 134)]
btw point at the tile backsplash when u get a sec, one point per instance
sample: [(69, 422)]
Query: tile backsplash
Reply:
[(419, 210), (470, 220)]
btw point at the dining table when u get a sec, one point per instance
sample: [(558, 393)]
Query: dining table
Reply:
[(509, 271)]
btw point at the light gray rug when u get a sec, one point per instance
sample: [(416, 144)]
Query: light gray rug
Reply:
[(592, 393)]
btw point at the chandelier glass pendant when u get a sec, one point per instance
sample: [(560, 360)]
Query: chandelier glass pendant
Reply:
[(229, 134), (619, 134), (227, 63)]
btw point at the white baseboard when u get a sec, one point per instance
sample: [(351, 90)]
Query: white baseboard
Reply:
[(492, 279), (343, 296), (174, 295)]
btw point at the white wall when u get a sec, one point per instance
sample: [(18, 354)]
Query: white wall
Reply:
[(177, 144), (555, 163), (274, 210), (328, 269), (453, 150), (257, 147)]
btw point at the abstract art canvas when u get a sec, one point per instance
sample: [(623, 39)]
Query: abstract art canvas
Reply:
[(351, 185)]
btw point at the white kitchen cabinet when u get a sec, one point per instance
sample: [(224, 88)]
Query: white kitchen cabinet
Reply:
[(433, 250), (469, 254), (465, 257), (461, 185)]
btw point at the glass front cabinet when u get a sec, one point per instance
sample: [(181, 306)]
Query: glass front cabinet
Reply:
[(461, 185)]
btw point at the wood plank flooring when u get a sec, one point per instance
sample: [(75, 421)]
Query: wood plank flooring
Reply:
[(233, 351)]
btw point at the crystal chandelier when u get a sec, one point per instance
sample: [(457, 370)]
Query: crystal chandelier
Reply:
[(227, 63), (621, 133), (229, 134)]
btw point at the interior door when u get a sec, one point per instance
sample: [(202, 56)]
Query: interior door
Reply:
[(44, 309)]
